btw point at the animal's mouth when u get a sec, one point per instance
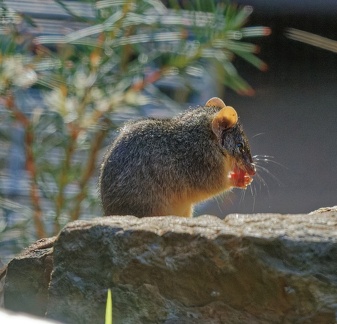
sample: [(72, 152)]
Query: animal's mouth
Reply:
[(241, 176)]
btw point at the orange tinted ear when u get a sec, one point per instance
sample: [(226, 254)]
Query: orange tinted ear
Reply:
[(226, 118), (215, 102)]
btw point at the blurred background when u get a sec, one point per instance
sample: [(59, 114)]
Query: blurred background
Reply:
[(72, 72), (293, 115)]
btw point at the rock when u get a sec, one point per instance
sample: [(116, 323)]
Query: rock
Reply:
[(27, 279), (262, 268)]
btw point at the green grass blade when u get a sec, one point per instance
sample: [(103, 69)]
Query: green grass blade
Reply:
[(108, 309)]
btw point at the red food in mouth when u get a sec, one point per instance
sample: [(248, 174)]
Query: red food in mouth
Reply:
[(241, 178)]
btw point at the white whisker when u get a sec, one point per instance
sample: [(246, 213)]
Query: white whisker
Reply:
[(259, 167), (253, 191), (220, 202), (260, 179), (243, 194), (258, 135), (267, 159)]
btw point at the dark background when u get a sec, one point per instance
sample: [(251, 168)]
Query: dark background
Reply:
[(293, 115)]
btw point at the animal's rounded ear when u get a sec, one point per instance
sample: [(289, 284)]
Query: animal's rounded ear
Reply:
[(226, 118), (215, 102)]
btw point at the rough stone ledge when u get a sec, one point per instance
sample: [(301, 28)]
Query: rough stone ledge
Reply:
[(309, 227), (260, 268)]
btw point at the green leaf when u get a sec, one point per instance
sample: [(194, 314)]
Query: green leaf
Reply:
[(240, 17), (108, 309), (252, 59)]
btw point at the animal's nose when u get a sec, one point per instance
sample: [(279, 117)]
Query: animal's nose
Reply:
[(251, 170)]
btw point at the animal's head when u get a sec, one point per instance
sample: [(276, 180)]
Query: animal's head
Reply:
[(233, 142)]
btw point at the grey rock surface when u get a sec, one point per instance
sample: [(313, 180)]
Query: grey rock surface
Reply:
[(262, 268), (27, 279)]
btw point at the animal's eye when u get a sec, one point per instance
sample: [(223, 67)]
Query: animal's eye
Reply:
[(240, 146)]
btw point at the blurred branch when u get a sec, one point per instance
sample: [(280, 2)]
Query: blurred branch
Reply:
[(30, 163), (64, 175), (88, 171), (312, 39)]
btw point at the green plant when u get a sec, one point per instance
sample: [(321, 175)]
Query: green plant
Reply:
[(90, 75), (108, 309)]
